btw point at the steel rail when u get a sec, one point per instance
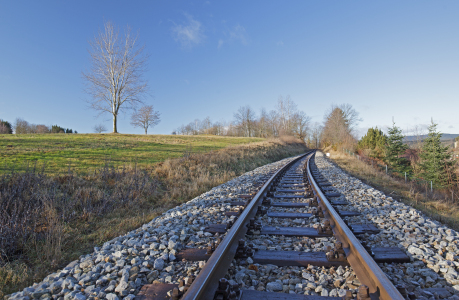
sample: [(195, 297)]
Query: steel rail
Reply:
[(206, 283), (366, 269)]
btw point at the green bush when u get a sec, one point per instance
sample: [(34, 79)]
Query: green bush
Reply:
[(373, 143)]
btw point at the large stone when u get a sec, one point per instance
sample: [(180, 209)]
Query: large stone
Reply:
[(450, 256), (308, 276), (87, 264), (38, 294), (134, 271), (112, 296), (414, 250), (171, 257), (123, 285), (239, 277), (158, 264), (117, 254), (79, 296), (274, 287)]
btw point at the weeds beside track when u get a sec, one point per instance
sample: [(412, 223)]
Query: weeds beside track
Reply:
[(432, 204)]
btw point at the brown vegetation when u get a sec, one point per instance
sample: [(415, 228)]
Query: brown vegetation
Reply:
[(49, 221)]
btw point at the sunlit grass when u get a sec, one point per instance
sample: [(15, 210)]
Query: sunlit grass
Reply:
[(84, 153)]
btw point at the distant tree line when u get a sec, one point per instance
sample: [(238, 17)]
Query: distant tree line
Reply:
[(286, 119), (21, 126)]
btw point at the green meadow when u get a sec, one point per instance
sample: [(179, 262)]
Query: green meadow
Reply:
[(83, 153)]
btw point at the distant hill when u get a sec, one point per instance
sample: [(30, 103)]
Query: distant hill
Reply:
[(445, 137)]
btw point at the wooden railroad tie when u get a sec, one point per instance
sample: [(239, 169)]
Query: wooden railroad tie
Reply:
[(292, 231)]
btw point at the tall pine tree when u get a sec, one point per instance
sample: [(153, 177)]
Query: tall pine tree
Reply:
[(394, 149), (436, 164)]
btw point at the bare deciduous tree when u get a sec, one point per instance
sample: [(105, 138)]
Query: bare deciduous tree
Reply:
[(42, 128), (21, 126), (145, 117), (351, 116), (115, 80), (99, 128), (286, 109), (315, 133), (245, 117), (263, 123), (339, 125), (286, 120), (300, 125)]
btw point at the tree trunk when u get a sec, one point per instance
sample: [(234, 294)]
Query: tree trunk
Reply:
[(146, 130), (114, 124)]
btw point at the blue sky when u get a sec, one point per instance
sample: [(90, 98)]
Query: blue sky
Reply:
[(207, 58)]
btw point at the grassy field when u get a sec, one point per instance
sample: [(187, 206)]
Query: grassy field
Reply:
[(84, 153)]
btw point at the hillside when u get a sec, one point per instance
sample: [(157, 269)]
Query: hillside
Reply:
[(444, 137), (447, 139)]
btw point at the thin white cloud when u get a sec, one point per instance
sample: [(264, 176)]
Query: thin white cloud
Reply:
[(238, 34), (235, 34), (190, 34)]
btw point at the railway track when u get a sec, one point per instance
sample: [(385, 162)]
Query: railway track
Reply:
[(292, 209), (292, 232)]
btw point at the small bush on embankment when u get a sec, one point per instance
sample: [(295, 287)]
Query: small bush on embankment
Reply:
[(46, 221)]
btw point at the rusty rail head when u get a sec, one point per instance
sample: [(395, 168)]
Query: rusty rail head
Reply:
[(206, 283), (366, 269)]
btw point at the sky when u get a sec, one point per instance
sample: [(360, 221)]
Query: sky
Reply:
[(391, 60)]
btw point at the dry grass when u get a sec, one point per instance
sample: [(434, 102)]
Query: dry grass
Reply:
[(50, 221), (432, 204)]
